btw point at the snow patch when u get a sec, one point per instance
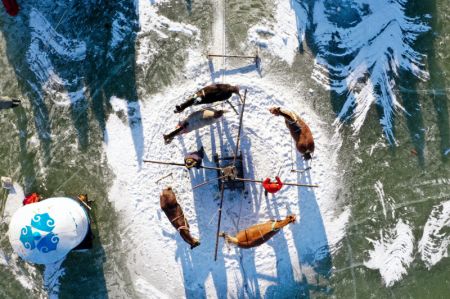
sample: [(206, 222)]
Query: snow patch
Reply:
[(280, 38), (135, 193), (52, 275), (150, 21), (392, 253), (434, 244), (377, 38)]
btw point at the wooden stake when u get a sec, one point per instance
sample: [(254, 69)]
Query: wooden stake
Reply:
[(179, 164), (166, 176), (208, 181)]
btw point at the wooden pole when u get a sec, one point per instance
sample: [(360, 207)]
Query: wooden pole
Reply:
[(240, 127), (208, 181), (287, 184), (233, 56), (220, 218), (179, 164), (164, 163), (301, 171)]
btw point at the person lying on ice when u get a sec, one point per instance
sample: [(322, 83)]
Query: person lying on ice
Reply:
[(209, 94), (195, 121), (6, 103), (272, 187)]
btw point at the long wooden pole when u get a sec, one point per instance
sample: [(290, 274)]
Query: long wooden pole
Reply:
[(287, 184), (240, 127), (179, 164), (220, 218), (233, 56), (208, 181)]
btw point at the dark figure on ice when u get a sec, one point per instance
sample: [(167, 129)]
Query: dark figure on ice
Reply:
[(194, 159), (258, 234), (194, 121), (209, 94), (174, 213), (6, 103), (299, 131)]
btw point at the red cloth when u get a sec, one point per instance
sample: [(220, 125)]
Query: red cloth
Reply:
[(11, 6), (272, 187), (32, 198)]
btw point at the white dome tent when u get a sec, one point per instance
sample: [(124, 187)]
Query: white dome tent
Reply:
[(45, 232)]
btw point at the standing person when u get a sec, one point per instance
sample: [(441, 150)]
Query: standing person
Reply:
[(209, 94)]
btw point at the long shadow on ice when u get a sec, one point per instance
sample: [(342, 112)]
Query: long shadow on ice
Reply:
[(310, 237), (198, 264)]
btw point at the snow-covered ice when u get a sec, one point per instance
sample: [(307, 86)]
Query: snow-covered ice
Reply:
[(434, 244), (393, 252)]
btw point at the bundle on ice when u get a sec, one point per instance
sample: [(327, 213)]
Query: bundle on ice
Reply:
[(258, 234)]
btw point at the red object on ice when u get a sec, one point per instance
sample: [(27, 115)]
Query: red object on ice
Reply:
[(11, 6), (272, 187), (32, 198)]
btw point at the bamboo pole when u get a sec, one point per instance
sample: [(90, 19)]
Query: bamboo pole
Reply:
[(240, 127), (208, 181), (233, 56), (222, 187), (287, 184), (179, 164)]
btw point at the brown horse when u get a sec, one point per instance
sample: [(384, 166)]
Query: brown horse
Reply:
[(173, 211), (209, 94), (300, 131), (194, 121), (258, 234)]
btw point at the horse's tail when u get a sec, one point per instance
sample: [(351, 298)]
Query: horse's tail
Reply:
[(196, 243)]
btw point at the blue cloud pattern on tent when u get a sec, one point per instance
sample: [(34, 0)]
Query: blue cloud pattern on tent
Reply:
[(43, 223)]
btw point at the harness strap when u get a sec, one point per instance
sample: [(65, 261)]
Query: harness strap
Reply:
[(183, 227), (182, 215), (273, 227)]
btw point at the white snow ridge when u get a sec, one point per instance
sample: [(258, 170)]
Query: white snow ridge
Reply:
[(392, 253), (434, 244), (362, 47)]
